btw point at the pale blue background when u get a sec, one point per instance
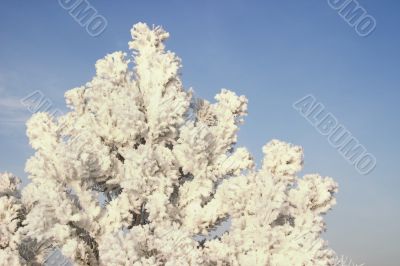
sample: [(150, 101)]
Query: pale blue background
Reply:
[(274, 52)]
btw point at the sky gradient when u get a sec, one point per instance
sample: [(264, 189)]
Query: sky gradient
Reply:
[(274, 52)]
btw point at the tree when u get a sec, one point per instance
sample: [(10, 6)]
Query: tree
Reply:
[(140, 172)]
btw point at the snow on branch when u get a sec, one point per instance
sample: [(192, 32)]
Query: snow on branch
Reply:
[(139, 172)]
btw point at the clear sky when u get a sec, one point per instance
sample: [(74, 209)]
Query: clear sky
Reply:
[(274, 52)]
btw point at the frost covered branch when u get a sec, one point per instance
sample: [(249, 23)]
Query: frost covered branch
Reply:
[(140, 172)]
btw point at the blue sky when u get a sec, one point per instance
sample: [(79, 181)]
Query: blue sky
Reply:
[(274, 52)]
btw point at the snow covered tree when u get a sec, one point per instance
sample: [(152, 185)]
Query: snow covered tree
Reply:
[(11, 211), (140, 172)]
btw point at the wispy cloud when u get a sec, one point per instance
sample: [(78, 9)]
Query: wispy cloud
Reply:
[(11, 104), (13, 115)]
